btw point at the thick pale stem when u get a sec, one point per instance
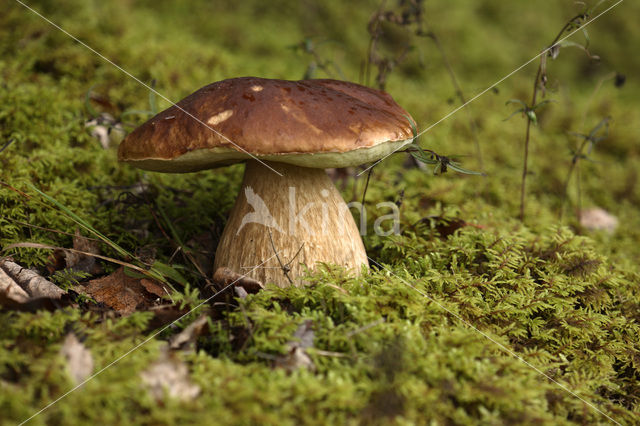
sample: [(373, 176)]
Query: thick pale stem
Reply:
[(281, 225)]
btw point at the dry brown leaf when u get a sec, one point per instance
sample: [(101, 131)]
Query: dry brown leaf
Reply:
[(79, 261), (294, 359), (164, 314), (81, 258), (56, 261), (153, 287), (169, 374), (78, 357), (35, 285), (297, 356), (123, 293), (186, 339), (225, 276), (240, 292)]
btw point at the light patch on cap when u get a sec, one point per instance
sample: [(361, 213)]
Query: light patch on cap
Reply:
[(257, 88), (220, 117)]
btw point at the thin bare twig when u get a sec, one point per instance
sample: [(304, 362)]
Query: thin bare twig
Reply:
[(285, 269), (296, 255), (366, 185)]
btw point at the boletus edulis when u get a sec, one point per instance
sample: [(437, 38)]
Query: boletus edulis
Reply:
[(287, 133)]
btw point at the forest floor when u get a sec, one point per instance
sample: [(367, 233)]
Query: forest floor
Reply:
[(468, 315)]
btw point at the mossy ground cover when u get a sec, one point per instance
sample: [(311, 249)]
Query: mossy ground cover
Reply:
[(430, 334)]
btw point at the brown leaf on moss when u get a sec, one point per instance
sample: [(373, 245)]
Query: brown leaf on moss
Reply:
[(225, 276), (76, 260), (297, 357), (153, 287), (56, 261), (164, 314), (83, 262), (186, 339), (123, 293)]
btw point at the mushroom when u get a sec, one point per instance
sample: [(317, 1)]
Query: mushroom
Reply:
[(288, 216)]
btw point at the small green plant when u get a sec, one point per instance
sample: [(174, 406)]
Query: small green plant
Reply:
[(540, 85), (67, 278), (441, 163), (583, 152)]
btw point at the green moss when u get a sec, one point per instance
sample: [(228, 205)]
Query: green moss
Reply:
[(400, 344)]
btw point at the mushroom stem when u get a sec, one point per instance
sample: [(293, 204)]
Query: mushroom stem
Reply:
[(281, 225)]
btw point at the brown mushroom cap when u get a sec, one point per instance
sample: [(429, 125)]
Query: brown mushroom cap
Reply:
[(309, 123)]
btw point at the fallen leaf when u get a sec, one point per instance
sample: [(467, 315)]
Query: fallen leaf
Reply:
[(78, 358), (56, 261), (294, 359), (297, 357), (78, 261), (153, 287), (31, 282), (169, 374), (240, 292), (123, 293), (186, 339), (225, 277), (304, 335), (163, 315)]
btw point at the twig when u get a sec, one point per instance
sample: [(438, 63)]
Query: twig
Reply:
[(365, 327), (366, 185), (6, 145), (34, 284), (296, 255), (285, 269)]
